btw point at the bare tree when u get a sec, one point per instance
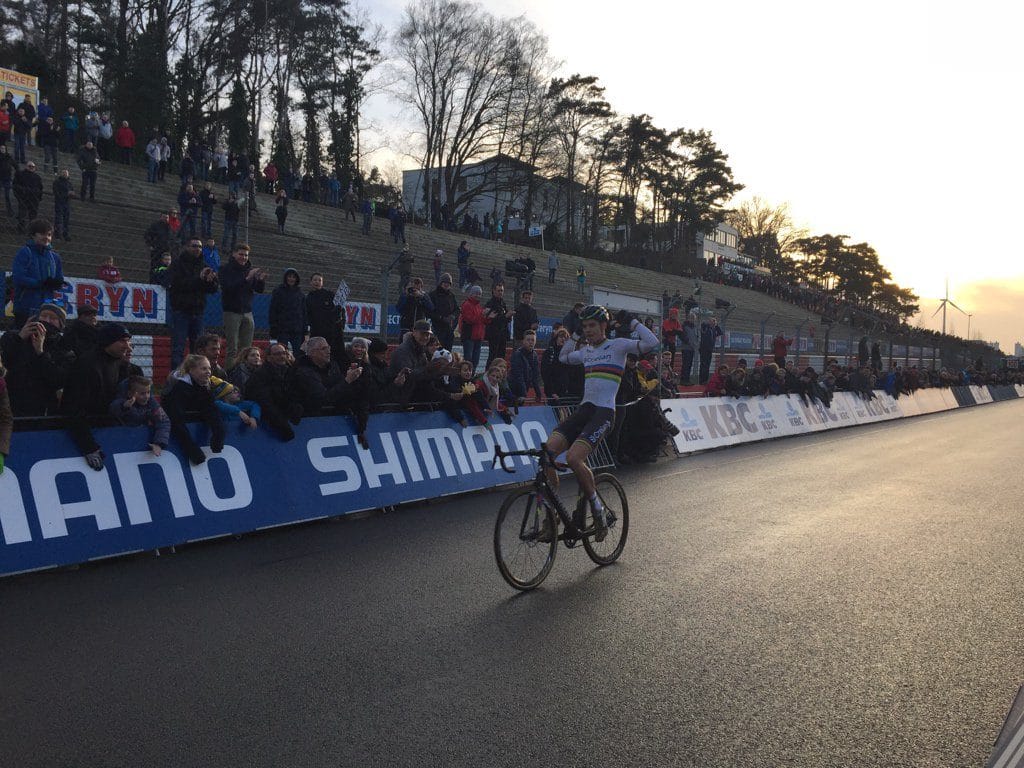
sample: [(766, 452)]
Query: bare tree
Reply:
[(453, 54), (766, 231)]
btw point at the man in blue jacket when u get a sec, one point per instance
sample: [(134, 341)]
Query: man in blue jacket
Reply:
[(37, 274), (526, 370)]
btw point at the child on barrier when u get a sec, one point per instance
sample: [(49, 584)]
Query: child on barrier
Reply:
[(453, 389), (137, 408), (6, 419), (490, 395), (228, 400)]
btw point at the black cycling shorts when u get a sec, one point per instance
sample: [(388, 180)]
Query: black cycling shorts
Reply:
[(589, 423)]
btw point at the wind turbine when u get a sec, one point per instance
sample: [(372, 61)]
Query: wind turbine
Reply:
[(942, 306)]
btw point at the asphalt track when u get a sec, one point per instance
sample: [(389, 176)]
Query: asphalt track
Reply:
[(844, 599)]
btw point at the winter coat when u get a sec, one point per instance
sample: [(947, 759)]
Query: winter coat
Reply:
[(473, 321), (317, 387), (93, 383), (28, 186), (6, 418), (33, 381), (446, 311), (690, 336), (556, 374), (497, 326), (184, 398), (322, 314), (88, 159), (37, 275), (671, 329), (239, 376), (413, 308), (80, 337), (186, 289), (708, 334), (62, 190), (149, 415), (524, 320), (236, 291), (525, 373), (124, 137), (287, 309), (780, 346)]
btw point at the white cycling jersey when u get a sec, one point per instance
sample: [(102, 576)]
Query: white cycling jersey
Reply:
[(603, 365)]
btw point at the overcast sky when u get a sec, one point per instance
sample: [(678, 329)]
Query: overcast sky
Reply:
[(896, 123)]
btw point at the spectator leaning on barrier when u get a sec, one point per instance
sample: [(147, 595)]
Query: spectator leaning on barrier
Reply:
[(272, 386), (38, 362), (229, 403), (210, 346), (410, 359), (92, 386), (239, 281), (137, 407), (190, 393), (244, 365), (37, 273), (318, 379), (288, 319), (445, 315), (6, 418), (189, 283), (384, 387)]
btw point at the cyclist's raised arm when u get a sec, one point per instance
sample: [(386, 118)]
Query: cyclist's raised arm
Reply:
[(646, 340), (568, 354)]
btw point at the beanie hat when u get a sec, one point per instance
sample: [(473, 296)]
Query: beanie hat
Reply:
[(445, 278), (377, 345), (57, 310), (110, 333), (220, 388)]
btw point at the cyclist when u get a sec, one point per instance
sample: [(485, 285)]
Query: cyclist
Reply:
[(603, 361)]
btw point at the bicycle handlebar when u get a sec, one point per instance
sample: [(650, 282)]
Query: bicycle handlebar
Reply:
[(500, 455)]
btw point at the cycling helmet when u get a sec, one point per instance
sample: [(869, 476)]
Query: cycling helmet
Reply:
[(595, 312)]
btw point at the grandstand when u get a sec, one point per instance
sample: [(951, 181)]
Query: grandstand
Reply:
[(318, 238)]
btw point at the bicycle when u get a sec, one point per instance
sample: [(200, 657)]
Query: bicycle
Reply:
[(526, 533)]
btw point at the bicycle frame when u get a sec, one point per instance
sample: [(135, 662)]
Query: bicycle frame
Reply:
[(540, 484)]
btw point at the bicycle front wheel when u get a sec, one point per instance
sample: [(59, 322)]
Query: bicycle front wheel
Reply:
[(524, 557), (616, 508)]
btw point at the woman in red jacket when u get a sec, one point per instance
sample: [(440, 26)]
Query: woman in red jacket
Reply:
[(473, 324), (124, 138), (716, 384)]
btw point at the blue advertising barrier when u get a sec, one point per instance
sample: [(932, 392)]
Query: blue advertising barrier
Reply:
[(55, 510)]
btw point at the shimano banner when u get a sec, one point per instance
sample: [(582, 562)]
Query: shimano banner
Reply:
[(55, 510)]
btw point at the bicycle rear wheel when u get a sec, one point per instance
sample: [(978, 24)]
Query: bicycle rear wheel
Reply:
[(616, 507), (523, 559)]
